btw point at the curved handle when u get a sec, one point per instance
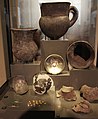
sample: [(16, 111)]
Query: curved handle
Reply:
[(74, 11), (37, 38)]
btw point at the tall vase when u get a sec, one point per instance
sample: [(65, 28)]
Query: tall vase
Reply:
[(24, 47), (54, 21)]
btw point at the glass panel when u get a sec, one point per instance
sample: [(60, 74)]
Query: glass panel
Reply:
[(28, 13)]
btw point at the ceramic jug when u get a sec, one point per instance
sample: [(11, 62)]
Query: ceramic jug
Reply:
[(24, 47), (54, 21)]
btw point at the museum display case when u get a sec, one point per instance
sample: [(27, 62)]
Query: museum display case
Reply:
[(49, 63)]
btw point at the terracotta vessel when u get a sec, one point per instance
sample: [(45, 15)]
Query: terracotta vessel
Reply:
[(54, 21), (24, 47), (19, 84), (80, 55)]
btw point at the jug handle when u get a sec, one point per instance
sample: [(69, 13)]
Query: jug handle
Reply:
[(74, 11), (37, 37)]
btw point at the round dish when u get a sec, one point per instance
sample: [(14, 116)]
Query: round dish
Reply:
[(19, 84), (54, 64), (42, 83), (80, 54)]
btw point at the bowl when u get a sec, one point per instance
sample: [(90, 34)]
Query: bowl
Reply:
[(54, 64), (42, 83), (80, 55)]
